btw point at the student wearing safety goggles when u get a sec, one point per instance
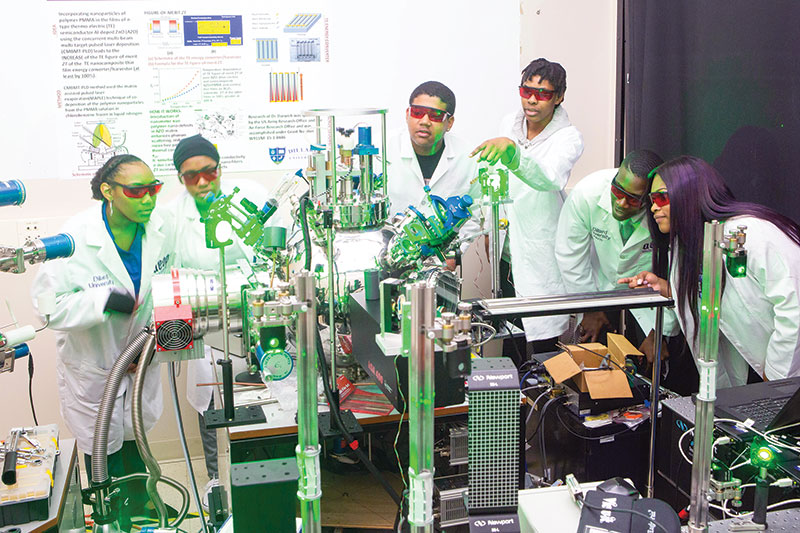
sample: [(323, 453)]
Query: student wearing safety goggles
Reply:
[(759, 320), (197, 162), (103, 302), (539, 147), (603, 236), (427, 154)]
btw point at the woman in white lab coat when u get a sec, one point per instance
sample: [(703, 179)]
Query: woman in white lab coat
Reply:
[(103, 301), (760, 313)]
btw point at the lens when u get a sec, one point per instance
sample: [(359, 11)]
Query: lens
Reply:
[(139, 192), (622, 194), (659, 198), (542, 95), (435, 115), (191, 177)]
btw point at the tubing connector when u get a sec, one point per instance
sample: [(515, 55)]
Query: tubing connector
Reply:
[(309, 487), (420, 497)]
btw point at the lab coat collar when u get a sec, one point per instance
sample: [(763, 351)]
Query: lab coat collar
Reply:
[(560, 120), (407, 153)]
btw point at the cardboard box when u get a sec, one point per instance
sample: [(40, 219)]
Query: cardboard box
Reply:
[(620, 347), (578, 363)]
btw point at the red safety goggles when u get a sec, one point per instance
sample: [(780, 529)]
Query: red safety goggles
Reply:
[(419, 111), (191, 177), (621, 194), (138, 191), (660, 198), (542, 95)]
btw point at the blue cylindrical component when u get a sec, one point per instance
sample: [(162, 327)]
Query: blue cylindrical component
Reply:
[(365, 135), (55, 246), (269, 209), (12, 192), (21, 350)]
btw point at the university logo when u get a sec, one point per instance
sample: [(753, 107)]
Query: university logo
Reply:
[(277, 154)]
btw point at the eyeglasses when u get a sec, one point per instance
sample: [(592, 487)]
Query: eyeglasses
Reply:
[(542, 95), (419, 111), (138, 191), (191, 177), (621, 194), (660, 198)]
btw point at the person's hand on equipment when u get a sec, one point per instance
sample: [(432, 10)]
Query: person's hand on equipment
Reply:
[(450, 264), (592, 326), (500, 149), (648, 279), (120, 301), (648, 348)]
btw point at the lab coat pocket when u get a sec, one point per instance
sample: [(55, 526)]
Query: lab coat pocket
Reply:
[(90, 384)]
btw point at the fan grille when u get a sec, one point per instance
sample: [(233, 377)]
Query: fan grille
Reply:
[(174, 335)]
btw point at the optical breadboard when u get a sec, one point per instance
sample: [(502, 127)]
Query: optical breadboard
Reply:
[(493, 422), (302, 22)]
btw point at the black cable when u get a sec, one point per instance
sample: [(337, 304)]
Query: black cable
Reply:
[(304, 227), (30, 386), (514, 343), (630, 511), (541, 416)]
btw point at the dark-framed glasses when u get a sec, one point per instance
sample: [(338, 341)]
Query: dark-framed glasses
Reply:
[(435, 115), (621, 194), (191, 177), (138, 191), (542, 95), (660, 198)]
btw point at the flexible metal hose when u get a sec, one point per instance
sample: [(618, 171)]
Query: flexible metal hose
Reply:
[(169, 481), (100, 444), (140, 434), (176, 405)]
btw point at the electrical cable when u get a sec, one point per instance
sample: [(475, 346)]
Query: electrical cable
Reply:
[(521, 359), (399, 422), (304, 228), (630, 511), (30, 387), (541, 416)]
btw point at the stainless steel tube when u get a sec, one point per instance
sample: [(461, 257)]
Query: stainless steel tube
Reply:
[(309, 486), (140, 434), (115, 376), (655, 386)]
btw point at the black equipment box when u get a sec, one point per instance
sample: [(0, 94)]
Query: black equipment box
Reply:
[(265, 492), (365, 319)]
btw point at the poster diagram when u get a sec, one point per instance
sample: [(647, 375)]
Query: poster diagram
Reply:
[(217, 125), (165, 31), (180, 86), (302, 22), (285, 87), (212, 30), (266, 50), (98, 142), (304, 50)]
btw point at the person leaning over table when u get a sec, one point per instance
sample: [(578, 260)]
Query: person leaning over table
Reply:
[(760, 313)]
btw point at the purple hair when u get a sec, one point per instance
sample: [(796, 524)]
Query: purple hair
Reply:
[(698, 194)]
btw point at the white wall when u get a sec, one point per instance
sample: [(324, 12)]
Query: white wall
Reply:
[(580, 34)]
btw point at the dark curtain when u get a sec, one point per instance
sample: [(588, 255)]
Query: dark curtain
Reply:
[(718, 79)]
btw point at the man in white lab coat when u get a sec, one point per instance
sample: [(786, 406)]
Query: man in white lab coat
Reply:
[(539, 147), (603, 236), (428, 155), (198, 163)]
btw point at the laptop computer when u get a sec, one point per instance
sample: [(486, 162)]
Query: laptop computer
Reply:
[(771, 404)]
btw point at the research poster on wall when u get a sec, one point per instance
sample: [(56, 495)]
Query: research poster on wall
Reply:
[(138, 76)]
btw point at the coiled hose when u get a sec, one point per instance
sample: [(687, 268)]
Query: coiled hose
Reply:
[(100, 444), (140, 433)]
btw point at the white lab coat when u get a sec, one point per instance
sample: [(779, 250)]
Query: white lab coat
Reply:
[(456, 174), (544, 167), (192, 253), (88, 340), (760, 313), (589, 248)]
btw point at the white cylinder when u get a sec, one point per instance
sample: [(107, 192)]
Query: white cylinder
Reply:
[(20, 335)]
